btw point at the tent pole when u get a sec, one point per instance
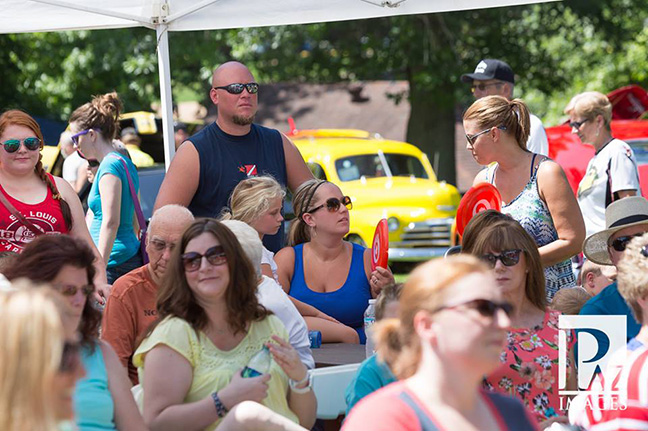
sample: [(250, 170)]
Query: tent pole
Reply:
[(166, 96)]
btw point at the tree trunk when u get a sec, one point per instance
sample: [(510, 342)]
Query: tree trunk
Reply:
[(431, 128)]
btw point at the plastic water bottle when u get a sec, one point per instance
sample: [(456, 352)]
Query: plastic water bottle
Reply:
[(369, 320), (259, 364)]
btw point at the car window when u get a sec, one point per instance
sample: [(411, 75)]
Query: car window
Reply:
[(317, 170), (371, 166), (640, 149)]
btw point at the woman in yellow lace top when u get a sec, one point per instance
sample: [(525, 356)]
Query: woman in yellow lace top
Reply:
[(210, 324)]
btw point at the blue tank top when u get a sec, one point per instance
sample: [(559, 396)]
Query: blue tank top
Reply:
[(226, 159), (348, 303), (93, 404), (534, 216)]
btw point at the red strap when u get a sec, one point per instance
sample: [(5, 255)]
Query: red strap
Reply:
[(19, 216)]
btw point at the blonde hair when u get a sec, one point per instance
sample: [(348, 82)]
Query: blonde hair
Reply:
[(590, 105), (32, 338), (632, 277), (251, 198), (397, 342), (302, 201), (495, 111), (570, 300)]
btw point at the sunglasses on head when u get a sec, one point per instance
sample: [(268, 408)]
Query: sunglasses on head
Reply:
[(485, 307), (71, 290), (472, 138), (12, 145), (508, 258), (620, 243), (214, 255), (70, 359), (333, 204), (577, 124), (237, 88)]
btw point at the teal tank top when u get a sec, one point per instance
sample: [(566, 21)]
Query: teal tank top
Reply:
[(93, 404)]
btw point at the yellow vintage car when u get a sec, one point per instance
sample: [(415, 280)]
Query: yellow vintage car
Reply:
[(385, 179)]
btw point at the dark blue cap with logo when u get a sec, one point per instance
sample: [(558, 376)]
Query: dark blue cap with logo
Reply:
[(490, 68)]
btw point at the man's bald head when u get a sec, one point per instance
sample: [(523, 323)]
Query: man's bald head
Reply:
[(223, 73)]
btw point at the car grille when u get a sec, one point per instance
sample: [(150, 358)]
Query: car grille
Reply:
[(430, 233)]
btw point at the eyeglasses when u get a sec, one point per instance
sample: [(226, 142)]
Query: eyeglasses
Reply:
[(93, 163), (485, 307), (333, 204), (161, 245), (472, 138), (214, 255), (644, 251), (71, 290), (70, 359), (620, 243), (576, 124), (75, 138), (483, 87), (252, 88), (508, 258), (12, 145)]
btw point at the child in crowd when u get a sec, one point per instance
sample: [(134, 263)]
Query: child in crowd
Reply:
[(594, 277), (258, 201), (570, 301)]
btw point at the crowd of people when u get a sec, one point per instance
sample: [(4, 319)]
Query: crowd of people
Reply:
[(200, 318)]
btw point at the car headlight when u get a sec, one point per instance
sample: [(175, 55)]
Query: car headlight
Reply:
[(393, 224)]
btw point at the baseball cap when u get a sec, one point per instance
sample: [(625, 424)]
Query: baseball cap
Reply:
[(490, 68)]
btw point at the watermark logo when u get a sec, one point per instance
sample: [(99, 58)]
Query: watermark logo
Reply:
[(599, 340)]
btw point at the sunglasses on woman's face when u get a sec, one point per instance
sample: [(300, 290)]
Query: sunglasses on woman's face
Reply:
[(70, 359), (620, 243), (12, 145), (508, 258), (333, 204), (214, 255), (71, 290), (485, 307), (252, 88)]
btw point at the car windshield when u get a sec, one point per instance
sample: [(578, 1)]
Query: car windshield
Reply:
[(373, 165), (640, 149)]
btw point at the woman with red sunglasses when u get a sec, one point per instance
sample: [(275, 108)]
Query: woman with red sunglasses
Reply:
[(329, 279), (529, 362), (33, 202)]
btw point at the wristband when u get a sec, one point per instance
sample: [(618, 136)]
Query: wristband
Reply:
[(221, 410), (294, 384)]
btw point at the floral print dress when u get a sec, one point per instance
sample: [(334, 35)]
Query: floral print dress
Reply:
[(529, 369)]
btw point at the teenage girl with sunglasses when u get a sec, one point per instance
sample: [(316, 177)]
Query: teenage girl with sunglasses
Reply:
[(529, 363), (447, 336), (329, 279), (102, 400), (46, 202)]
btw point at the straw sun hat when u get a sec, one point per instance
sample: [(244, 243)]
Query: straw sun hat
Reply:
[(620, 214)]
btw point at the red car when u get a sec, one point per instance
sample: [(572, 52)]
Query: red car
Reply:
[(629, 105)]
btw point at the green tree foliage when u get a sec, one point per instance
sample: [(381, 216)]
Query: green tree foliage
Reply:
[(556, 49)]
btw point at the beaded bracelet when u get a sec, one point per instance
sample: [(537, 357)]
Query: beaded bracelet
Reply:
[(221, 410)]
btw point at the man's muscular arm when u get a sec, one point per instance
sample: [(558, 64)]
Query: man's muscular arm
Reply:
[(181, 180), (296, 169)]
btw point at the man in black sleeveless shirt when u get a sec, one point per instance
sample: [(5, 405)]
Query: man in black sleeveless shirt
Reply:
[(211, 163)]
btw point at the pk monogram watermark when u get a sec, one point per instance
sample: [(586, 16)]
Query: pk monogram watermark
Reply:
[(600, 343)]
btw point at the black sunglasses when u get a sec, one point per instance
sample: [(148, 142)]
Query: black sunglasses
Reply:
[(252, 88), (508, 258), (482, 87), (71, 290), (214, 255), (576, 124), (70, 359), (485, 307), (472, 138), (12, 145), (620, 243), (93, 163), (333, 204)]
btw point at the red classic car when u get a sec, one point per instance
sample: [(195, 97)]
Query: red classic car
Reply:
[(629, 106)]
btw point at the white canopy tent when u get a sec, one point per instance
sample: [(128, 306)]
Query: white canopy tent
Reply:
[(22, 16)]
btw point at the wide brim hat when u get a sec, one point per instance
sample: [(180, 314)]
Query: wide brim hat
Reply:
[(626, 212)]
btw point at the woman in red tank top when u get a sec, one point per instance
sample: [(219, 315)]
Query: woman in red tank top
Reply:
[(42, 203)]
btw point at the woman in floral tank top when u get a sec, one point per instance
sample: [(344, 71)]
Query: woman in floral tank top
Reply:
[(529, 362)]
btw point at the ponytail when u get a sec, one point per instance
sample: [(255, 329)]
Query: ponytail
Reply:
[(299, 232), (65, 208), (102, 113), (494, 111)]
